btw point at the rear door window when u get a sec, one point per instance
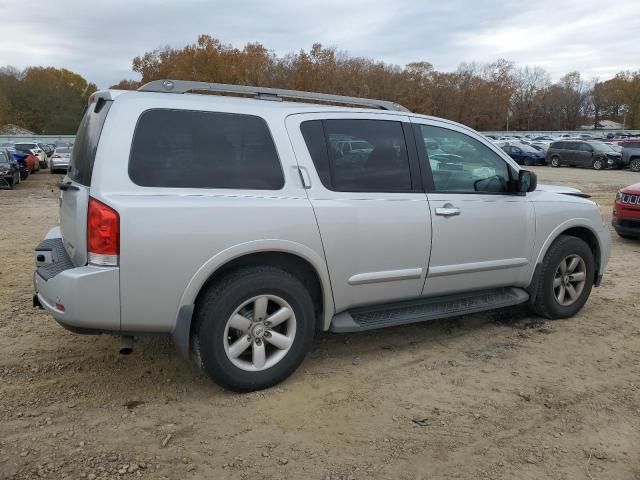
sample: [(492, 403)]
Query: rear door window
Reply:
[(194, 149), (359, 155)]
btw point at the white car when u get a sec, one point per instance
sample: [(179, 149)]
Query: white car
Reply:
[(240, 227), (60, 159)]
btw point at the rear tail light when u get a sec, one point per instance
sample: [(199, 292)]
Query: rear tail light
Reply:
[(103, 234)]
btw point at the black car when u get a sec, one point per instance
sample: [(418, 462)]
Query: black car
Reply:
[(581, 153), (9, 171), (19, 157)]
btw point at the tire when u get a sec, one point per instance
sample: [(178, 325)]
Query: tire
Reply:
[(528, 162), (634, 165), (546, 303), (10, 184), (555, 161), (598, 164), (215, 335)]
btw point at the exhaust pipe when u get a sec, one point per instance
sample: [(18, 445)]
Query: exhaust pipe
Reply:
[(126, 344)]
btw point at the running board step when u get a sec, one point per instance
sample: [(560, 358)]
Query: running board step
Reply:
[(389, 315)]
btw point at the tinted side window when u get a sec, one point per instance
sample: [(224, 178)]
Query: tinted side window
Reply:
[(313, 133), (192, 149), (367, 155), (585, 147), (86, 142), (460, 163), (572, 146)]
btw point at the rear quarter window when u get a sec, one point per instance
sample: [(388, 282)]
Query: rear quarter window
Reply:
[(86, 142), (195, 149)]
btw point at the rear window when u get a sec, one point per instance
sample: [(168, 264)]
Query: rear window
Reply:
[(86, 142), (192, 149), (25, 147)]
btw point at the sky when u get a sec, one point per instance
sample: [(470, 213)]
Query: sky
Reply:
[(99, 39)]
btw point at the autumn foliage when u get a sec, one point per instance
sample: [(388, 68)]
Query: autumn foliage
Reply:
[(492, 96), (44, 100)]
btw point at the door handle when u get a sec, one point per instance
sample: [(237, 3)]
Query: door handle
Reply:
[(448, 210)]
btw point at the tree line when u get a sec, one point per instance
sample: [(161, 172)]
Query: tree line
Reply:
[(45, 100), (491, 96)]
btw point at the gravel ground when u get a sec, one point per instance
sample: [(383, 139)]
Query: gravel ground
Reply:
[(502, 395)]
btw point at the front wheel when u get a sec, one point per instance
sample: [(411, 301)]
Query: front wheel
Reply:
[(565, 279), (635, 165), (598, 164), (253, 328)]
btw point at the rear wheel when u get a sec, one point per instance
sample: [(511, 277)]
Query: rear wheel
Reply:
[(635, 165), (565, 279), (598, 164), (555, 161), (253, 328)]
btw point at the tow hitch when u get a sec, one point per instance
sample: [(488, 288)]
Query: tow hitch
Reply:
[(36, 302)]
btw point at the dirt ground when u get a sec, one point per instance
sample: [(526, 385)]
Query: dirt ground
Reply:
[(498, 396)]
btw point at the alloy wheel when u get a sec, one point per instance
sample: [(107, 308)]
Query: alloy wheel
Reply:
[(569, 280), (259, 333)]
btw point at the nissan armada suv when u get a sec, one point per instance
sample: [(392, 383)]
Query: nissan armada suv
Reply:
[(241, 226)]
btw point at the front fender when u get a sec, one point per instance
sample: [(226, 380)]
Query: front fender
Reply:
[(602, 236)]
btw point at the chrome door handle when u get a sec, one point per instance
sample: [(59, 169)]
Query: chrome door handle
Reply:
[(448, 210)]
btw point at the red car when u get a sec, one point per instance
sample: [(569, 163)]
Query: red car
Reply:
[(33, 163), (626, 212)]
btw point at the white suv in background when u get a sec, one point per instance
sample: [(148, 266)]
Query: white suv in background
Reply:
[(241, 226)]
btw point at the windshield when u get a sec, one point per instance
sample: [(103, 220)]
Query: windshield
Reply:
[(601, 147)]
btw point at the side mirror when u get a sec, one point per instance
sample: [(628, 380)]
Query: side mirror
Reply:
[(527, 181)]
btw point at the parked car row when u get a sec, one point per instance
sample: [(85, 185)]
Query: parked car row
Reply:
[(575, 152), (19, 160)]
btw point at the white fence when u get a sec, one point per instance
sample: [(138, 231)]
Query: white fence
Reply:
[(39, 138), (555, 133)]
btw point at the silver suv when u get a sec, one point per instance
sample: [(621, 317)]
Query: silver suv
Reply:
[(241, 226)]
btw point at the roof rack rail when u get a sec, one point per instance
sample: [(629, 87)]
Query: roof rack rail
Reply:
[(264, 93)]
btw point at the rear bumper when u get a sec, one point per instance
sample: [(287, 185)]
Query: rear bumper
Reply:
[(57, 164), (86, 297)]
